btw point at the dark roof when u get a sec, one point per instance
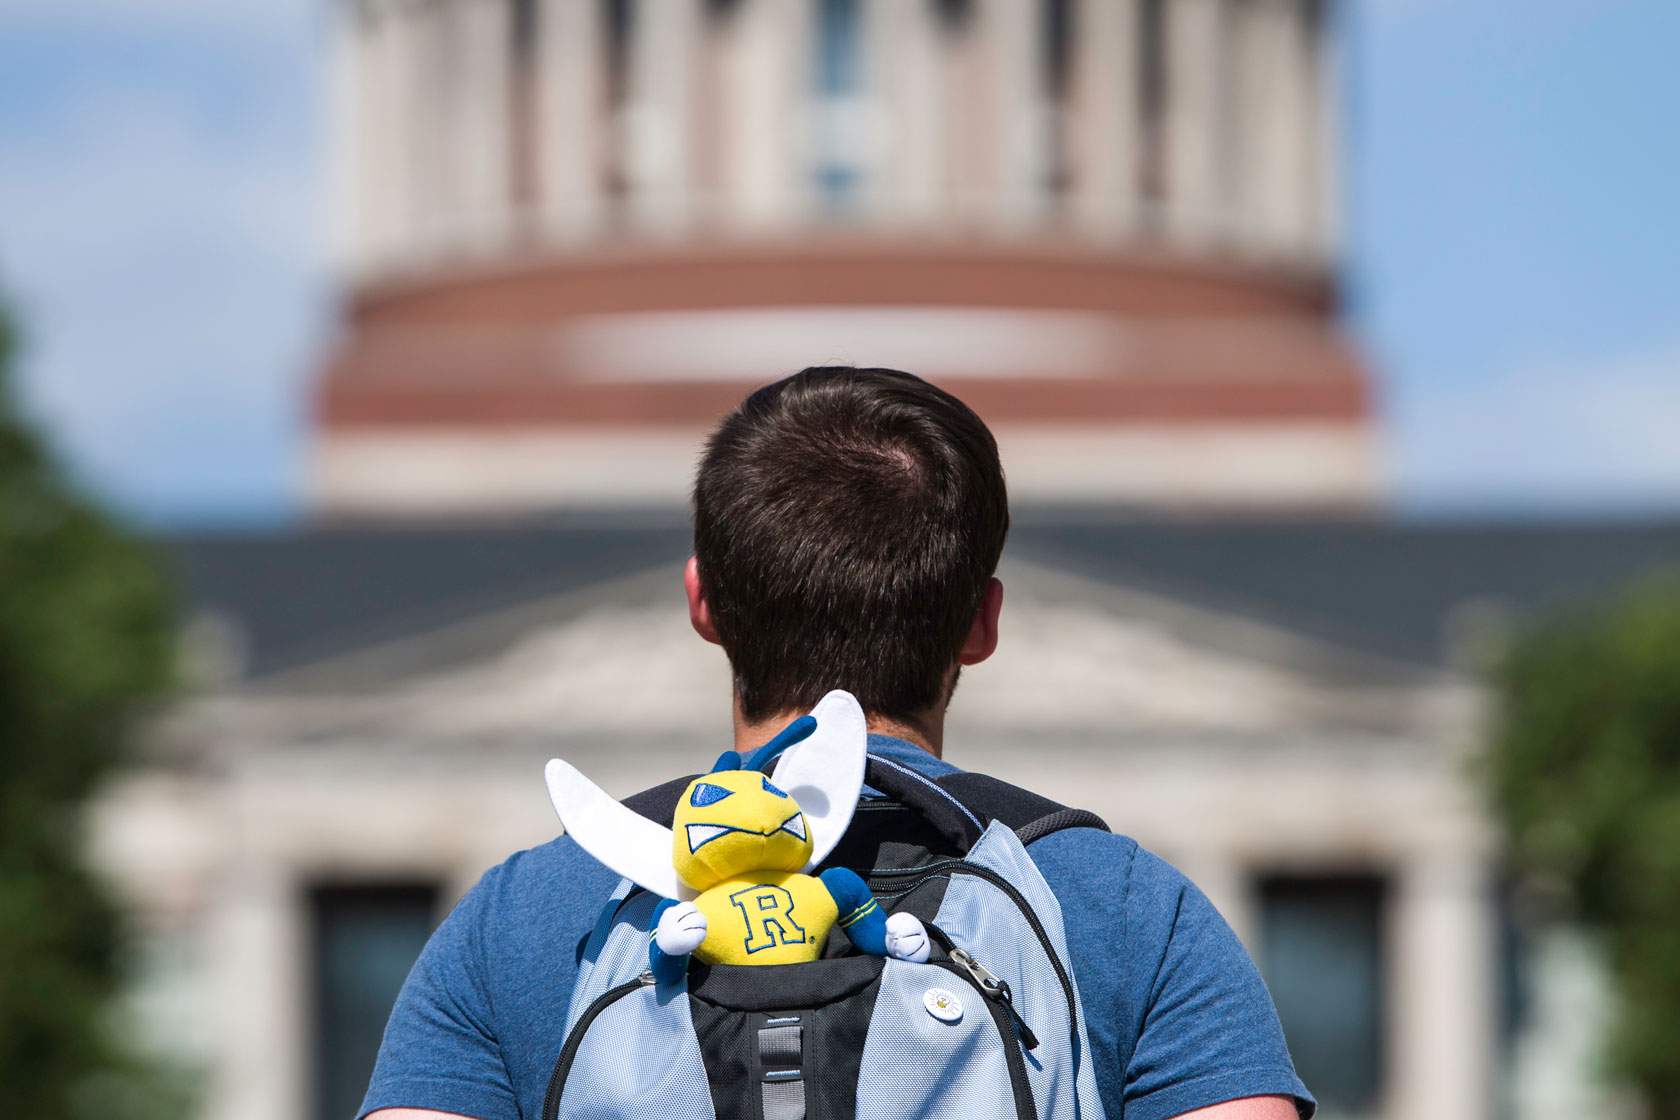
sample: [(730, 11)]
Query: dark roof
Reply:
[(1393, 588), (1385, 587), (299, 597)]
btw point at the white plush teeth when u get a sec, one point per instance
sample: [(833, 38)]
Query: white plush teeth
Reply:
[(699, 834), (795, 825)]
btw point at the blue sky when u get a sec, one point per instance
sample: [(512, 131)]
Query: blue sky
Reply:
[(1512, 221)]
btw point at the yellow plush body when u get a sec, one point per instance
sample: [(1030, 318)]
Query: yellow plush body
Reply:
[(776, 917), (742, 843)]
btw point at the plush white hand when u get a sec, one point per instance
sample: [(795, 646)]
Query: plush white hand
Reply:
[(681, 929), (907, 940)]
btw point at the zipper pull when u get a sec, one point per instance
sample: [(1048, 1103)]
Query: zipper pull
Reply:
[(646, 978), (995, 988), (989, 982)]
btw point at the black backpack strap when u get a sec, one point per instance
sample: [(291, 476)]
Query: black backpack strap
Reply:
[(1058, 821), (659, 804), (994, 800), (1031, 815), (959, 805), (940, 807)]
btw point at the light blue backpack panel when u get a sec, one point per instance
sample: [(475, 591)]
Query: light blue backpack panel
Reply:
[(632, 1050)]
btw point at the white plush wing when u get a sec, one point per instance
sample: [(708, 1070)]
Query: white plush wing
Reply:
[(621, 838), (825, 771)]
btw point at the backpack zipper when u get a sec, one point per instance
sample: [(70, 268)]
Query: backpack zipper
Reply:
[(568, 1052), (1025, 1107), (999, 1001), (964, 867), (994, 988)]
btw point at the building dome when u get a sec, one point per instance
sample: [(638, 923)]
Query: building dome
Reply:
[(576, 231)]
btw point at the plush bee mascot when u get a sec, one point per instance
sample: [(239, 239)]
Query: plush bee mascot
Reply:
[(734, 869)]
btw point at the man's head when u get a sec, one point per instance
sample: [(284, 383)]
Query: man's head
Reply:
[(847, 523)]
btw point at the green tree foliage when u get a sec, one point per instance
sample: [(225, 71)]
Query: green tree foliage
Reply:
[(85, 642), (1586, 776)]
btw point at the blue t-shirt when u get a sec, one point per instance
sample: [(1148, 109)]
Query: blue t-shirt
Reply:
[(1177, 1014)]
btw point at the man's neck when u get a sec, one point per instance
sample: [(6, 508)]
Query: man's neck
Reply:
[(927, 733)]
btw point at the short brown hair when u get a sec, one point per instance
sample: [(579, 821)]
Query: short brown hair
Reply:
[(846, 524)]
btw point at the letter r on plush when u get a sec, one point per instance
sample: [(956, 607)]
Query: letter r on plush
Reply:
[(767, 913)]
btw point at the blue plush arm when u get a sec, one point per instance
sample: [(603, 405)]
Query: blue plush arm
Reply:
[(666, 968), (860, 916)]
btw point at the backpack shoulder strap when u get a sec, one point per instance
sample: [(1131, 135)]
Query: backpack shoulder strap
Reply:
[(659, 804), (959, 805), (1031, 815), (1059, 821)]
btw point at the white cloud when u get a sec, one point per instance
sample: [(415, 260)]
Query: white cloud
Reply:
[(1602, 438), (193, 16), (161, 245)]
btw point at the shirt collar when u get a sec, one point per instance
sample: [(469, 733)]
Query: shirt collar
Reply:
[(909, 754)]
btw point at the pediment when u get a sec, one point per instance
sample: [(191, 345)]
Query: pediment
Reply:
[(1076, 659)]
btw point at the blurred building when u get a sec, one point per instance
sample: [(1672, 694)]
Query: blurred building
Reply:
[(576, 231), (1281, 709)]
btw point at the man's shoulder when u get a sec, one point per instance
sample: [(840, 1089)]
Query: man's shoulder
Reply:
[(539, 885), (1107, 877), (1090, 852), (1087, 863)]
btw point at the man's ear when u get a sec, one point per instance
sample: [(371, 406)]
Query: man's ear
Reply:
[(699, 613), (982, 638)]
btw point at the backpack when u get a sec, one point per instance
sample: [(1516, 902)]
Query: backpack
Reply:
[(990, 1026)]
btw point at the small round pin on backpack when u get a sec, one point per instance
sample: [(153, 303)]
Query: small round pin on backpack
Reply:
[(942, 1005)]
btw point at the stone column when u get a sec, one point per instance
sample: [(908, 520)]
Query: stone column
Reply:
[(662, 50), (1104, 132), (1252, 73), (1271, 104), (1555, 1071), (387, 199), (1016, 113), (905, 87), (259, 989), (1440, 990), (479, 138), (1296, 188), (1323, 147), (569, 125), (767, 95), (353, 128), (372, 134), (429, 177), (1195, 142)]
